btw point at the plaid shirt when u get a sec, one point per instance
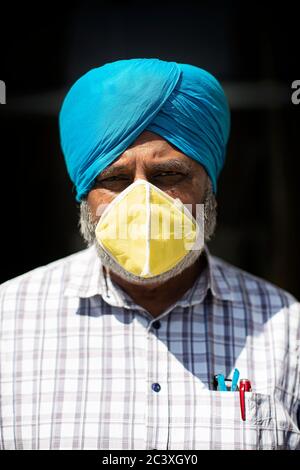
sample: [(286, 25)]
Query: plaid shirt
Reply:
[(83, 367)]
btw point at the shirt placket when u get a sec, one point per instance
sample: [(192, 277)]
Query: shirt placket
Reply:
[(157, 387)]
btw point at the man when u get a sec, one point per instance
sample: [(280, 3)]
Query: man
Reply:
[(117, 346)]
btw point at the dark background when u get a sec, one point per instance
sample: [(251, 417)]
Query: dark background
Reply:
[(252, 48)]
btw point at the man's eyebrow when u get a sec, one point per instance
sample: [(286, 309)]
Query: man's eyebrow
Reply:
[(112, 170), (171, 165)]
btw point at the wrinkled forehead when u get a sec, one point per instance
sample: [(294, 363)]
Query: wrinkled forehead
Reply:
[(153, 151)]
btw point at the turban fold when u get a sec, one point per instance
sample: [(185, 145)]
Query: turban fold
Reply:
[(110, 106)]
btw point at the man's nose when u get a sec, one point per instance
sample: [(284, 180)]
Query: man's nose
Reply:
[(140, 174)]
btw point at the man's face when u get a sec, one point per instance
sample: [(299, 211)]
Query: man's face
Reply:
[(153, 159)]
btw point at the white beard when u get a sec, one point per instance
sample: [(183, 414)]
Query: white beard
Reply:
[(111, 265)]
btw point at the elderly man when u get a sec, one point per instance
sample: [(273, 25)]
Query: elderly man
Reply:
[(132, 342)]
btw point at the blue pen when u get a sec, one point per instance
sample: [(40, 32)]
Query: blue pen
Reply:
[(235, 379), (221, 383)]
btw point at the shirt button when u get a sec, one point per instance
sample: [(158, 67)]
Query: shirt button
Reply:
[(156, 324), (156, 387)]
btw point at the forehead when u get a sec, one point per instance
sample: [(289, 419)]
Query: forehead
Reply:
[(150, 148), (149, 142)]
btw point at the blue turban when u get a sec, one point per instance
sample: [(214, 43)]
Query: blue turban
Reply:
[(110, 106)]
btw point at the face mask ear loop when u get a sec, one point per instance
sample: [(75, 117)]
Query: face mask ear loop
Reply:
[(146, 270)]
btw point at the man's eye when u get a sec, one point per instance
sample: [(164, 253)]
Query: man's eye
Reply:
[(169, 176), (113, 178), (168, 173)]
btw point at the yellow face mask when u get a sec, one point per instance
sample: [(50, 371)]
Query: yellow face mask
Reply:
[(146, 231)]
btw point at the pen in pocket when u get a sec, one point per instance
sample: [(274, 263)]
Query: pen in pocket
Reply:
[(226, 385), (221, 383), (235, 379), (245, 386)]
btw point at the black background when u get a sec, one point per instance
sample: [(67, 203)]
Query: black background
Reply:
[(252, 48)]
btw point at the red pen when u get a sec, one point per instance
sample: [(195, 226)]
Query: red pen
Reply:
[(245, 386)]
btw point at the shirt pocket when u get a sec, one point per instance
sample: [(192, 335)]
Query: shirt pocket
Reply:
[(267, 425)]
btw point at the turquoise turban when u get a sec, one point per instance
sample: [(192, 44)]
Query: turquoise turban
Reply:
[(110, 106)]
